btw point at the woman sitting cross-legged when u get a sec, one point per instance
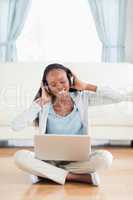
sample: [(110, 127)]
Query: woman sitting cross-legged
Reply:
[(61, 106)]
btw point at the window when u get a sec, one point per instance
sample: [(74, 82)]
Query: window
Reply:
[(61, 30)]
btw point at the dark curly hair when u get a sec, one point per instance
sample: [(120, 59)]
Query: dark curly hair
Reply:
[(46, 71)]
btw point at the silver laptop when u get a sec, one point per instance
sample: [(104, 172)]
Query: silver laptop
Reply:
[(62, 147)]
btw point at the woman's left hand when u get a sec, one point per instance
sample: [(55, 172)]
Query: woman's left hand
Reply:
[(78, 84)]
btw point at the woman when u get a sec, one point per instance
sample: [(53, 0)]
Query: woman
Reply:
[(61, 106)]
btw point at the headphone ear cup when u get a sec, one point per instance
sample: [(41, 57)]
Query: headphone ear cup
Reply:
[(72, 80)]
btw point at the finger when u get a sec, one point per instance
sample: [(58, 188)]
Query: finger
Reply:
[(44, 93)]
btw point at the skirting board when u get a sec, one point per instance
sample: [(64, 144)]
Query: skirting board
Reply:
[(28, 142)]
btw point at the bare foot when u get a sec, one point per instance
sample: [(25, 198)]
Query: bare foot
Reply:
[(86, 178)]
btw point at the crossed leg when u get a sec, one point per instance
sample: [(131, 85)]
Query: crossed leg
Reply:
[(77, 171)]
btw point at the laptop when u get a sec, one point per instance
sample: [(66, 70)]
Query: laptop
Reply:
[(62, 147)]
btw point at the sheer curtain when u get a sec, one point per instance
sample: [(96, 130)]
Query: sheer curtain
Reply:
[(12, 18), (110, 20), (61, 30)]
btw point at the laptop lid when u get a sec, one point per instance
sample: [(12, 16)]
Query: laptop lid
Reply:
[(62, 147)]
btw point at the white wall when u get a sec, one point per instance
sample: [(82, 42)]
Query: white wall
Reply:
[(129, 34)]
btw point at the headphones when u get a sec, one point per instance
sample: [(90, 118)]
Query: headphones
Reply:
[(69, 76)]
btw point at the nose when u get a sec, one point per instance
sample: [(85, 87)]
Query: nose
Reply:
[(60, 87)]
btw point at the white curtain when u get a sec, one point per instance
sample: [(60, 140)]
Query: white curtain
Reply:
[(13, 14), (110, 20)]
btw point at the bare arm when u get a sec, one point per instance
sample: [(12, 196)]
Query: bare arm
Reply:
[(90, 87)]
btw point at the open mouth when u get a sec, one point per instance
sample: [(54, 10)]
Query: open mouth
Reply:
[(62, 92)]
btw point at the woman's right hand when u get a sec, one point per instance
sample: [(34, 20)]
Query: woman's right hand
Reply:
[(45, 98)]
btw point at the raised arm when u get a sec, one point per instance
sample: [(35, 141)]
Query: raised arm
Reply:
[(26, 118), (98, 95), (101, 95)]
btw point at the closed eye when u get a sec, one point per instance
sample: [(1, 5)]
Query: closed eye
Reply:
[(54, 84), (63, 82)]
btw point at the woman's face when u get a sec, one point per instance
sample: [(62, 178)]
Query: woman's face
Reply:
[(57, 81)]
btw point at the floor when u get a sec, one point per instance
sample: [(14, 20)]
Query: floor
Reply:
[(116, 183)]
